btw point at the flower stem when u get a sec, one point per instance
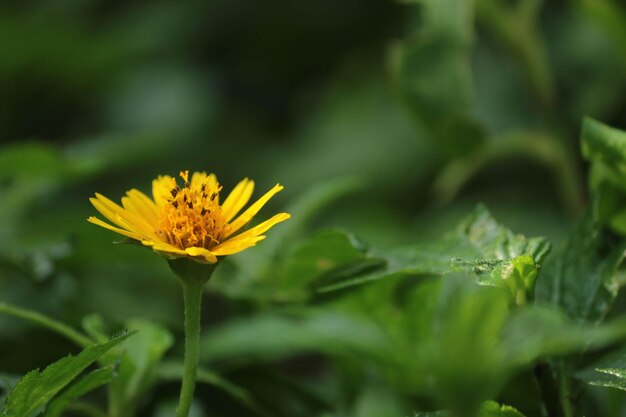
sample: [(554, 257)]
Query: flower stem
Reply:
[(192, 294)]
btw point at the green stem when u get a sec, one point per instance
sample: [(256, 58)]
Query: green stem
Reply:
[(40, 319), (192, 294)]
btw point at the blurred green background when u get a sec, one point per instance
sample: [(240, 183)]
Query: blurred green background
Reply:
[(388, 119)]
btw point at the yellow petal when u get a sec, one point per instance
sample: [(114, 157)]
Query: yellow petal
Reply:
[(206, 254), (126, 233), (161, 188), (259, 229), (164, 247), (122, 217), (238, 197), (236, 245), (138, 203), (247, 215), (115, 218)]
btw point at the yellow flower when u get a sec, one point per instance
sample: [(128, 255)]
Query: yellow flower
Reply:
[(188, 221)]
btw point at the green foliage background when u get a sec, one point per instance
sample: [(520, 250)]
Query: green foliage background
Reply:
[(391, 291)]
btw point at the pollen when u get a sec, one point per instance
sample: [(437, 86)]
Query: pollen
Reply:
[(192, 216)]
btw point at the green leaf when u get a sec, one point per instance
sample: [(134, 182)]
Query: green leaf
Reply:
[(538, 332), (493, 409), (605, 148), (78, 389), (488, 409), (432, 73), (311, 331), (36, 388), (581, 278), (138, 367), (608, 372), (480, 246), (174, 371), (46, 322)]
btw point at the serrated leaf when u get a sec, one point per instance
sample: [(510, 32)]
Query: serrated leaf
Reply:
[(36, 388), (581, 278), (608, 372), (480, 246), (78, 389)]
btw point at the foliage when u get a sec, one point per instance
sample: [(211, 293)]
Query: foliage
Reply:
[(446, 256)]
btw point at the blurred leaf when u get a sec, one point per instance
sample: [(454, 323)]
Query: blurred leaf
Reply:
[(378, 402), (46, 322), (488, 409), (516, 27), (432, 72), (277, 336), (605, 148), (138, 367), (538, 332), (581, 277), (607, 372), (468, 341), (36, 388), (78, 389), (93, 325), (174, 371)]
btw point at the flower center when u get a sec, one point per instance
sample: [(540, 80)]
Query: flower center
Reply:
[(193, 216)]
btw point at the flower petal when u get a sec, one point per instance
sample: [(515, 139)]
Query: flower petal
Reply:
[(258, 229), (122, 217), (163, 247), (247, 215), (206, 254), (138, 203), (114, 215), (238, 197), (123, 232), (161, 188), (236, 245)]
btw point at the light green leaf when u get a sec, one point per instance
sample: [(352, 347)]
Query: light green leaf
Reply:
[(36, 388), (277, 336), (79, 388), (488, 409)]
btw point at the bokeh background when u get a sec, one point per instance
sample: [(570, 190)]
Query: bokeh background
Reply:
[(388, 119)]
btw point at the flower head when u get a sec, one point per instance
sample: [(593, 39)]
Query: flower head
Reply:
[(188, 220)]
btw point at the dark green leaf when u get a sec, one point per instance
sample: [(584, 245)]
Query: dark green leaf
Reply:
[(605, 148), (608, 372), (581, 278), (36, 388), (174, 371), (77, 389), (432, 73)]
